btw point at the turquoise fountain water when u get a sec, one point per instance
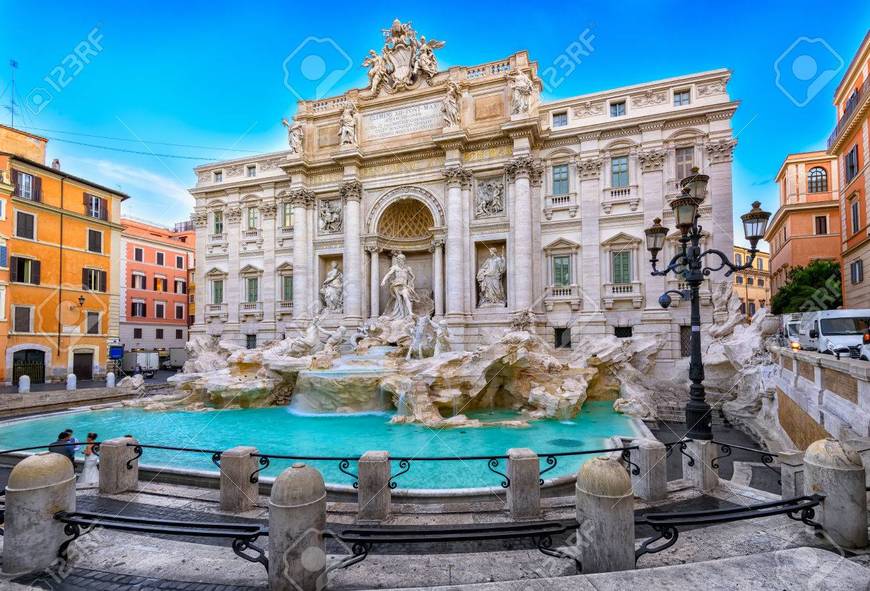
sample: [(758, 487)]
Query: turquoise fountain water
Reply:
[(280, 431)]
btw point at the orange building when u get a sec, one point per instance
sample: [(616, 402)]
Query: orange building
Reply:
[(752, 285), (62, 291), (156, 273), (849, 144), (806, 227)]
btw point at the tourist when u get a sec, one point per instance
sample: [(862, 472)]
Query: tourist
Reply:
[(91, 473), (62, 447), (73, 442)]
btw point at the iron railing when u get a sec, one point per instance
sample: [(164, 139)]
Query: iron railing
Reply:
[(767, 457)]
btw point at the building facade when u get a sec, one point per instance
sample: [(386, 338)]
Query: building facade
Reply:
[(155, 282), (498, 201), (752, 285), (849, 144), (806, 227), (61, 265)]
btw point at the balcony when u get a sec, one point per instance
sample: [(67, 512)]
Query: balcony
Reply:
[(251, 235), (680, 284), (215, 311), (217, 238), (564, 202), (620, 195), (563, 294), (284, 308), (251, 309), (615, 292), (854, 105)]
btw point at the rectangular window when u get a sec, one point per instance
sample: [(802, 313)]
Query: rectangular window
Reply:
[(159, 310), (560, 119), (253, 218), (4, 254), (93, 323), (95, 241), (682, 97), (617, 109), (622, 267), (159, 258), (179, 334), (856, 216), (180, 286), (137, 333), (622, 332), (138, 310), (251, 341), (760, 264), (560, 179), (217, 291), (27, 186), (96, 207), (851, 163), (138, 281), (739, 279), (138, 255), (856, 270), (287, 288), (252, 285), (23, 270), (158, 334), (821, 225), (25, 225), (619, 171), (738, 259), (218, 176), (685, 340), (179, 262), (286, 215), (251, 170), (684, 160), (160, 284), (750, 281), (752, 308), (218, 222), (94, 280), (562, 270), (760, 282), (179, 311), (562, 338), (21, 319)]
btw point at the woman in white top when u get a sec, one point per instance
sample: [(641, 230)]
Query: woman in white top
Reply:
[(91, 473)]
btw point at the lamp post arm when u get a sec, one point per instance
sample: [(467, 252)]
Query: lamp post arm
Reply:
[(672, 265), (724, 262)]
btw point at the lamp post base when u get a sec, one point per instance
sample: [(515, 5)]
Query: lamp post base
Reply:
[(699, 421)]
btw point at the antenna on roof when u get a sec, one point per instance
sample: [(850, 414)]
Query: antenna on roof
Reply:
[(13, 65)]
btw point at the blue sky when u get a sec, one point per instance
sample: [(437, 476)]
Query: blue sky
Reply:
[(211, 74)]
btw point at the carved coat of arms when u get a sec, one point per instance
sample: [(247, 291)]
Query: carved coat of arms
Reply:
[(404, 61)]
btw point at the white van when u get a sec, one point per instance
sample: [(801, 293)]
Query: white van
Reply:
[(834, 331), (791, 326)]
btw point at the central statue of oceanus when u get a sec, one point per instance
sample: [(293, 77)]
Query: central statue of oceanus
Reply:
[(400, 279)]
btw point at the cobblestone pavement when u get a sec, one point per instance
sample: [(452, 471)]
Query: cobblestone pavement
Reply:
[(81, 579)]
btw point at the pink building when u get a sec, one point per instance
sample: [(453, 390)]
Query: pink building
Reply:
[(156, 278)]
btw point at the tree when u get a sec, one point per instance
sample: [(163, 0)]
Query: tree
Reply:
[(816, 286)]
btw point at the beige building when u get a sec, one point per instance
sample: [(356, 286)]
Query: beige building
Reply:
[(752, 285)]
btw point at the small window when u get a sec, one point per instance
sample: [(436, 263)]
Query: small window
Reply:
[(617, 109), (685, 341), (96, 207), (286, 215), (682, 97), (851, 163), (562, 270), (27, 186), (138, 310), (158, 334), (619, 171), (856, 271), (218, 176), (251, 170), (25, 225), (137, 333), (817, 180), (217, 291), (750, 281), (95, 241), (138, 281), (179, 311), (159, 310), (821, 225), (159, 258), (253, 218), (560, 179), (856, 216), (622, 332), (22, 317), (180, 286), (93, 323), (252, 288), (218, 222), (23, 270), (621, 267), (251, 341), (179, 262), (738, 259), (684, 160), (560, 119), (179, 334), (760, 264), (160, 284), (760, 282), (138, 255), (562, 338), (287, 288), (4, 260), (94, 280), (739, 279), (752, 308)]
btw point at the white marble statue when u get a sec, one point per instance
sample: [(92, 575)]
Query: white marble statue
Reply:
[(418, 337), (450, 105), (400, 278), (309, 342), (331, 217), (404, 60), (347, 125), (294, 135), (335, 340), (332, 289), (489, 279), (442, 337), (489, 199), (522, 89), (426, 61), (377, 71)]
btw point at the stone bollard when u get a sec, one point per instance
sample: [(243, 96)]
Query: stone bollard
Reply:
[(71, 382), (375, 496), (524, 492), (297, 519), (24, 384), (115, 476), (39, 486), (839, 475), (702, 474), (110, 380), (238, 493), (605, 511), (791, 473), (652, 482)]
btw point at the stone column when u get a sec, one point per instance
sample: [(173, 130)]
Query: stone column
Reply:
[(115, 476), (268, 293), (652, 482), (38, 487), (524, 492), (652, 185), (791, 473), (374, 487), (605, 510), (438, 275), (719, 158), (238, 493), (522, 220), (375, 281), (233, 295), (351, 193), (300, 199), (838, 474), (297, 518), (701, 473), (454, 243)]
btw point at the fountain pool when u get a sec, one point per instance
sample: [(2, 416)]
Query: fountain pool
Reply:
[(278, 430)]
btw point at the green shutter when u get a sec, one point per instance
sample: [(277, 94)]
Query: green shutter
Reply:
[(622, 267)]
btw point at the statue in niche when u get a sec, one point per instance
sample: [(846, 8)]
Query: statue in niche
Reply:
[(401, 279), (347, 125), (522, 89), (330, 216), (489, 200), (294, 135), (450, 105), (489, 279), (332, 289)]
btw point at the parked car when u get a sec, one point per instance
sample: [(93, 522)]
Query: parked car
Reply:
[(835, 331), (865, 346), (791, 326)]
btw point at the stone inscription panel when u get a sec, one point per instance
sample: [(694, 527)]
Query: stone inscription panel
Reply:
[(402, 121)]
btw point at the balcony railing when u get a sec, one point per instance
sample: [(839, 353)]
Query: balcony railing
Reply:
[(250, 308), (623, 291), (252, 234), (852, 105), (213, 310), (285, 307), (217, 238), (620, 192), (564, 201)]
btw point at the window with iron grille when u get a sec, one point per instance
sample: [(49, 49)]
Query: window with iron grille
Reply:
[(622, 332)]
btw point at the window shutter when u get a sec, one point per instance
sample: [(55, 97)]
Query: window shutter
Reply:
[(35, 268), (103, 281), (37, 188), (16, 182), (155, 284), (13, 269), (104, 209), (84, 279), (85, 199)]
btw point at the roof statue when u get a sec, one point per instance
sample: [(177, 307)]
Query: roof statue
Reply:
[(404, 61)]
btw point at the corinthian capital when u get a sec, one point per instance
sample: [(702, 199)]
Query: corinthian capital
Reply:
[(651, 160), (301, 197), (351, 190), (456, 176), (589, 168), (720, 150)]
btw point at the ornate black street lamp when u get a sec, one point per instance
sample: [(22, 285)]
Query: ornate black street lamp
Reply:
[(689, 264)]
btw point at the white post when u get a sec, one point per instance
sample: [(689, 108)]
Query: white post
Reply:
[(110, 380), (24, 384), (300, 254), (115, 474), (652, 482), (524, 492), (791, 473), (238, 493), (71, 382), (375, 496), (697, 467), (523, 239)]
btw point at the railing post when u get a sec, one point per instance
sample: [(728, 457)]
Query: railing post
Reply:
[(375, 496), (71, 381), (24, 384), (115, 474), (39, 486), (238, 493), (110, 380), (839, 475), (652, 482), (697, 465), (605, 512), (791, 473), (524, 492), (297, 520)]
